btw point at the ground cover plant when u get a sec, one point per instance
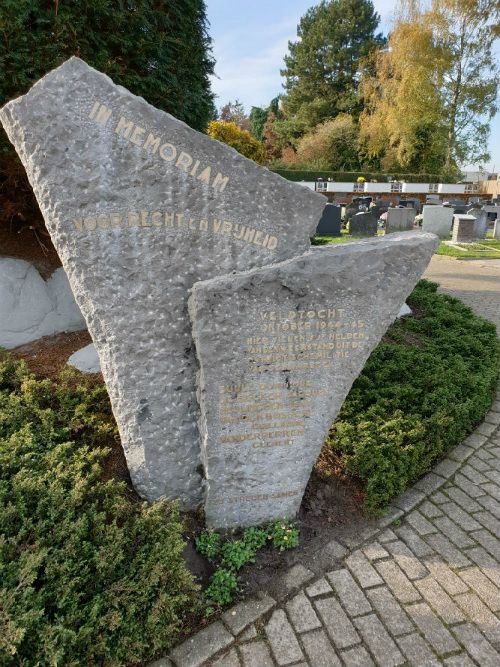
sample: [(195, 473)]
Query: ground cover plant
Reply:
[(429, 381), (87, 576)]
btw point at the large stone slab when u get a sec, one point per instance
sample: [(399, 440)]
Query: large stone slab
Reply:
[(279, 349), (437, 220), (482, 223), (363, 224), (399, 220), (329, 224), (140, 207)]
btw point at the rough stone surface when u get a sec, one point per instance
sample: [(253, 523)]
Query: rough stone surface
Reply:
[(437, 219), (202, 646), (319, 650), (282, 639), (279, 348), (86, 360), (363, 224), (139, 207), (481, 224), (400, 220), (239, 617), (30, 307)]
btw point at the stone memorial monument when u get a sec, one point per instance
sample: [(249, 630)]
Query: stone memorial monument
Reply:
[(437, 220), (399, 220), (463, 228), (363, 224), (481, 224), (140, 207), (329, 224), (279, 348)]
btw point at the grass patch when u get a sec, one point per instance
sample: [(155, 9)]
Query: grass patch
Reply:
[(447, 250), (431, 379), (87, 577)]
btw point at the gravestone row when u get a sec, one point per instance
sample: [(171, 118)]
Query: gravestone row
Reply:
[(144, 211)]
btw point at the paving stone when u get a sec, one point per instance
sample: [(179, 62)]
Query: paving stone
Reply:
[(447, 550), (453, 532), (230, 660), (479, 614), (357, 657), (432, 628), (445, 576), (334, 550), (478, 463), (469, 487), (487, 563), (485, 455), (406, 560), (494, 475), (393, 515), (461, 453), (482, 586), (477, 646), (473, 475), (296, 577), (319, 650), (256, 655), (490, 504), (358, 539), (249, 634), (202, 646), (375, 552), (320, 587), (417, 651), (378, 641), (487, 428), (430, 510), (492, 489), (431, 482), (162, 662), (461, 660), (238, 617), (439, 600), (361, 569), (475, 440), (439, 498), (301, 613), (489, 521), (409, 499), (465, 501), (397, 581), (490, 543), (282, 639), (460, 517), (414, 542), (387, 536), (350, 594), (420, 523), (339, 628), (390, 611), (447, 468)]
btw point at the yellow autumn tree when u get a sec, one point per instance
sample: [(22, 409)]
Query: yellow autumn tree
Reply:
[(240, 140)]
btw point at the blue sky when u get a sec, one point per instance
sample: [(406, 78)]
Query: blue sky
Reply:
[(250, 40)]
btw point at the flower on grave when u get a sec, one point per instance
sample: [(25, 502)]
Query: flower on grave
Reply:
[(285, 538), (283, 526), (361, 179)]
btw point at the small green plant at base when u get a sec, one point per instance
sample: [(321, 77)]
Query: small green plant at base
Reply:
[(223, 584), (208, 544), (284, 535)]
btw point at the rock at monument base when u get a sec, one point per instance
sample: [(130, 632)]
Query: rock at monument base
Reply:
[(140, 207), (30, 307), (279, 349), (86, 360), (437, 220)]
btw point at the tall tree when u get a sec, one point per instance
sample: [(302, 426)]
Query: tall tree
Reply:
[(323, 67), (234, 112)]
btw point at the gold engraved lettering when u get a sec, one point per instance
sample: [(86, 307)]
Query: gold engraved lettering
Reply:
[(164, 152), (191, 224), (266, 239), (116, 220), (258, 236), (272, 243), (144, 216), (94, 109), (185, 161), (152, 141), (217, 225), (90, 223), (123, 125), (220, 181), (179, 217), (226, 228), (195, 168), (239, 234), (169, 219), (156, 219), (103, 115), (135, 134), (133, 219), (204, 225), (103, 221), (79, 223), (205, 176), (249, 235)]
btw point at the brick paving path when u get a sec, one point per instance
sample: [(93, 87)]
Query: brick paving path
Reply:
[(423, 591)]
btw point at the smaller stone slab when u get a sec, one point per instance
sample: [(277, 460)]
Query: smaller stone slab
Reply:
[(279, 348), (400, 220), (86, 360), (329, 224), (496, 229), (463, 228), (437, 220), (363, 224), (482, 223)]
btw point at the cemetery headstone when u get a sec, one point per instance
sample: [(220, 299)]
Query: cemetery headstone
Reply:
[(399, 220), (377, 211), (362, 203), (438, 220), (463, 229), (329, 224), (459, 209), (279, 349), (363, 224), (481, 224), (496, 229), (350, 211), (140, 207)]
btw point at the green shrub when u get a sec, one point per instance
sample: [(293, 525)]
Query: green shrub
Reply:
[(417, 396), (86, 576)]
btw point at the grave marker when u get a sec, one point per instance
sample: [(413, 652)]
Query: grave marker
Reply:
[(481, 224), (399, 220), (329, 224), (438, 220), (363, 224)]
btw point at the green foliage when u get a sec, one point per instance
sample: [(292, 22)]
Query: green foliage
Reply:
[(223, 585), (208, 544), (352, 176), (159, 50), (284, 535), (258, 119), (86, 576), (417, 396)]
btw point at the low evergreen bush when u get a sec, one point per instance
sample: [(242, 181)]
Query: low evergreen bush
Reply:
[(87, 577), (424, 387)]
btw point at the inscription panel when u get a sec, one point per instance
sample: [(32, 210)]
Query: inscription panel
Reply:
[(279, 349)]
